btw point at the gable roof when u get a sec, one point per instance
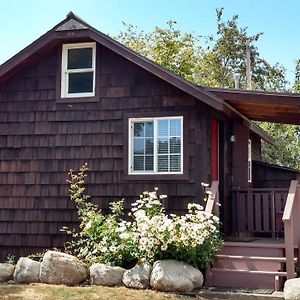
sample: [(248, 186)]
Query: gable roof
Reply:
[(73, 28)]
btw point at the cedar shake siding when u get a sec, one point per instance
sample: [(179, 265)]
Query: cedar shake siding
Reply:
[(41, 138)]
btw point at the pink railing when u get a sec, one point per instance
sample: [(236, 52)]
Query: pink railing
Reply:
[(212, 204), (291, 220), (258, 210)]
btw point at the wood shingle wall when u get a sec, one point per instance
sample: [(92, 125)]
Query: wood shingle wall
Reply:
[(41, 139)]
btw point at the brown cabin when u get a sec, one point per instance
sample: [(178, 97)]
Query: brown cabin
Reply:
[(75, 95)]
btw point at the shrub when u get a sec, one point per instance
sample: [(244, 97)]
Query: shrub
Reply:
[(101, 238), (193, 238), (152, 234)]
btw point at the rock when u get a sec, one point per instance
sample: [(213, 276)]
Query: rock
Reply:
[(27, 271), (101, 274), (62, 268), (291, 289), (175, 276), (138, 277), (6, 272)]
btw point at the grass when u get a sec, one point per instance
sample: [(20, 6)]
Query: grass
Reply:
[(57, 292)]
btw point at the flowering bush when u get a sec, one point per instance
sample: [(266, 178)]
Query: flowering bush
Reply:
[(193, 238), (105, 239), (152, 234)]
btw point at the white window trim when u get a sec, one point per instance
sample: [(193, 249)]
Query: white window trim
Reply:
[(249, 167), (155, 139), (65, 72)]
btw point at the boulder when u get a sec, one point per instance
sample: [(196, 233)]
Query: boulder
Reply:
[(27, 271), (175, 276), (138, 277), (101, 274), (61, 268), (6, 272), (291, 289)]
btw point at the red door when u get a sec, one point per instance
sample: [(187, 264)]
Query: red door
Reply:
[(215, 149)]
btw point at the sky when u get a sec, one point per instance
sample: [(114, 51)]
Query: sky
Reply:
[(23, 21)]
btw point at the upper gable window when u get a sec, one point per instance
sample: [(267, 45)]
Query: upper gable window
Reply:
[(78, 70)]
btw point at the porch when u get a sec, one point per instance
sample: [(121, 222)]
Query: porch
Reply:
[(263, 249)]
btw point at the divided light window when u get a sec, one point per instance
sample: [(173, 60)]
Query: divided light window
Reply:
[(78, 70), (156, 145)]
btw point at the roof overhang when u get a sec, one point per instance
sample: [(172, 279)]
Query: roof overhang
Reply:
[(263, 106)]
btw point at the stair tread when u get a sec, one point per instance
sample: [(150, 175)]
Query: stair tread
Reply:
[(279, 273), (249, 257), (256, 245)]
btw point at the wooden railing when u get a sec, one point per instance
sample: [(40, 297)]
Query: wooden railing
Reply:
[(291, 220), (258, 210), (212, 204)]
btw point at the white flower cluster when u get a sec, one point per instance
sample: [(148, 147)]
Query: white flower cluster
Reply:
[(155, 231)]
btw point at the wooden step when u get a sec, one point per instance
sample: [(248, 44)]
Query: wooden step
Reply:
[(259, 258), (271, 273), (253, 249), (257, 244), (250, 263), (244, 278)]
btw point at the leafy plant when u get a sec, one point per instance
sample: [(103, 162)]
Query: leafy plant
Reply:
[(152, 234), (101, 238), (193, 238), (10, 259)]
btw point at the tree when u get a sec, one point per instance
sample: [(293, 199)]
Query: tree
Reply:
[(212, 61), (176, 51), (297, 77), (286, 151)]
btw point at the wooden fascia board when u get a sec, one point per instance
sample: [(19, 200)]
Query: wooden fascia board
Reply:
[(24, 54), (257, 97)]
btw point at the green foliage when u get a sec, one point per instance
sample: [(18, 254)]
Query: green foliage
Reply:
[(210, 60), (286, 151), (297, 77), (193, 238), (169, 47), (152, 234), (98, 239), (10, 259)]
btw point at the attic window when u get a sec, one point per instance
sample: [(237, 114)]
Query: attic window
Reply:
[(78, 70)]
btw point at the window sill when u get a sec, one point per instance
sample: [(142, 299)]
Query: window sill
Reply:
[(158, 177), (77, 100)]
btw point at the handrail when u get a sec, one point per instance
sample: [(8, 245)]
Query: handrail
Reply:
[(290, 219), (213, 198), (287, 213)]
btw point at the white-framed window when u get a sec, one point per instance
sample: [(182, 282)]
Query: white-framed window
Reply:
[(78, 70), (249, 161), (155, 145)]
